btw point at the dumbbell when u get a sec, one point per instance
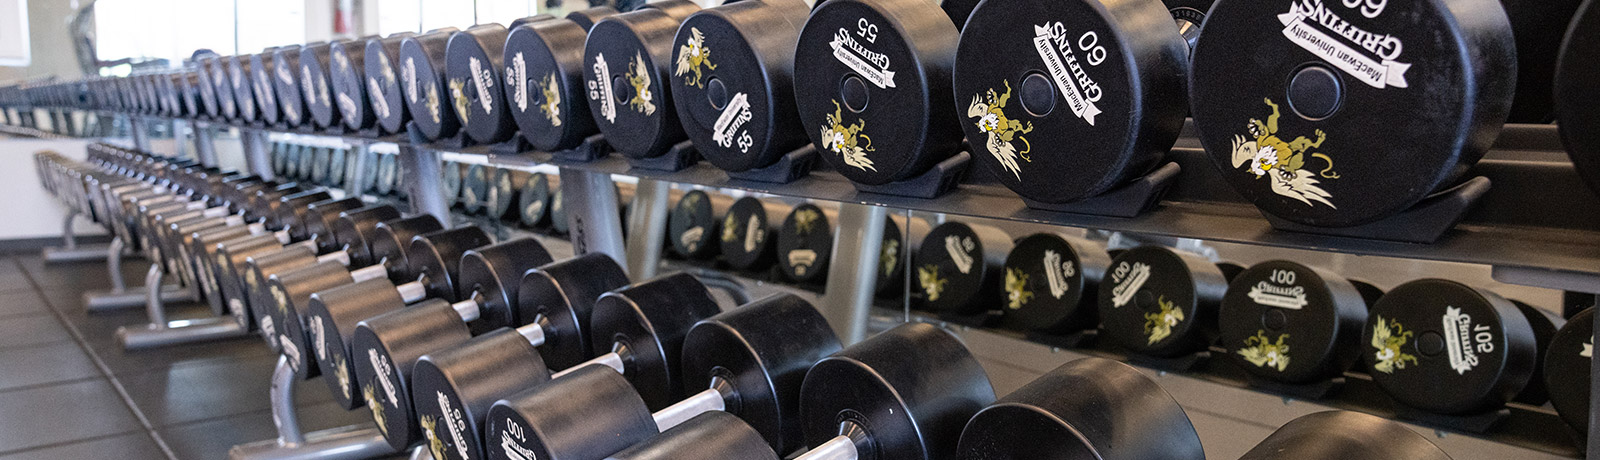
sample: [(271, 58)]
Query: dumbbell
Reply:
[(262, 70), (638, 330), (332, 315), (805, 243), (474, 188), (748, 229), (1429, 334), (1007, 102), (227, 105), (959, 265), (422, 80), (559, 296), (383, 82), (290, 289), (286, 84), (1566, 369), (1574, 80), (1343, 434), (899, 51), (631, 56), (733, 91), (693, 225), (238, 68), (544, 67), (347, 77), (473, 68), (1064, 414), (1287, 108), (315, 87), (1163, 303), (1051, 280), (1287, 322), (535, 199), (752, 360), (902, 394)]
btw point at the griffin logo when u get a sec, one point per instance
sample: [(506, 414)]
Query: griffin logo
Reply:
[(691, 57), (989, 109), (1283, 162), (847, 141)]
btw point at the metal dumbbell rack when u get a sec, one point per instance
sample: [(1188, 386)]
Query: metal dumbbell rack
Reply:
[(1526, 235)]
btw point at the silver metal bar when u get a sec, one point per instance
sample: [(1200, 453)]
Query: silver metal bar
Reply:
[(153, 305), (256, 155), (179, 146), (70, 251), (420, 167), (135, 297), (346, 443), (592, 220), (180, 333), (647, 224), (205, 149), (699, 403), (853, 274), (114, 263), (141, 140)]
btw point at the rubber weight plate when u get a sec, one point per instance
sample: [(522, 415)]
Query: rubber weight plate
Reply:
[(347, 75), (535, 200), (319, 165), (472, 68), (959, 264), (369, 171), (422, 82), (351, 157), (1300, 103), (1087, 98), (206, 91), (805, 242), (1159, 302), (874, 87), (1538, 26), (1449, 348), (261, 71), (558, 213), (383, 82), (1048, 277), (286, 83), (1345, 434), (733, 82), (308, 164), (239, 81), (1287, 322), (450, 182), (1575, 93), (337, 164), (747, 234), (1566, 369), (315, 87), (628, 62), (544, 80), (474, 188), (388, 175)]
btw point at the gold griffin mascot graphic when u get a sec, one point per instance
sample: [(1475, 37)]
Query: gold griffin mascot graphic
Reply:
[(1262, 352), (1387, 339), (1283, 162), (989, 109), (370, 393), (458, 95), (693, 55), (552, 99), (430, 430), (932, 283), (844, 140), (639, 79)]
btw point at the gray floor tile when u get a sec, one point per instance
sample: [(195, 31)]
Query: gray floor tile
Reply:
[(212, 438), (21, 302), (45, 363), (86, 276), (57, 414), (200, 391), (131, 446), (32, 329), (123, 362)]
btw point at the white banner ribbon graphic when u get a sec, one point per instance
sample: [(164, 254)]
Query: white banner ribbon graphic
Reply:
[(1370, 71), (1044, 41)]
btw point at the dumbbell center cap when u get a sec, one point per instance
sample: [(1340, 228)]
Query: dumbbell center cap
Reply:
[(854, 93), (618, 82), (717, 93), (1430, 343), (1274, 320), (1146, 301), (1038, 94), (1315, 92)]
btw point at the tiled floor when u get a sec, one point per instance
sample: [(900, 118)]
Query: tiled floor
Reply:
[(68, 391)]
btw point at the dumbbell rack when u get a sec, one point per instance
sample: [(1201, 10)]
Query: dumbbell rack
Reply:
[(1539, 227)]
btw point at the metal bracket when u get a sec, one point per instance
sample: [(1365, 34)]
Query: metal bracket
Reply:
[(420, 167), (255, 152), (160, 332), (141, 139), (120, 297), (205, 150), (853, 272), (647, 225), (69, 251), (593, 223), (343, 443)]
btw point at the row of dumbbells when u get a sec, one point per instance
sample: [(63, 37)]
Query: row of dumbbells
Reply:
[(331, 166), (657, 369)]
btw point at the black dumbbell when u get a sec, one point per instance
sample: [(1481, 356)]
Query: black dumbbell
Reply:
[(315, 88), (1343, 434), (751, 360), (693, 225), (555, 298), (1063, 414), (747, 232), (1051, 283), (422, 81), (1159, 302), (535, 199), (628, 95), (1566, 369), (286, 84), (383, 82), (473, 68), (262, 72), (903, 394), (638, 330), (959, 269), (348, 80), (1287, 322), (544, 62)]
